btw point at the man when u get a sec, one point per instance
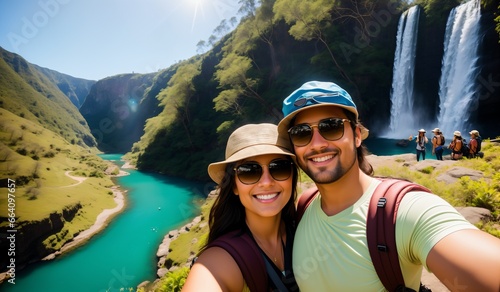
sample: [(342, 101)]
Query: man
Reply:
[(330, 248)]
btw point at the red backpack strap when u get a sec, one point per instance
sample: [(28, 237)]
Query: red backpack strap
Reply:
[(381, 230), (248, 257), (304, 201)]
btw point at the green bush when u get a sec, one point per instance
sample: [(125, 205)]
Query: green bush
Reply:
[(173, 281), (482, 193), (22, 151)]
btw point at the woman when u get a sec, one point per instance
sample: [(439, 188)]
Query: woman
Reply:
[(421, 140), (437, 143), (473, 144), (257, 191), (456, 146)]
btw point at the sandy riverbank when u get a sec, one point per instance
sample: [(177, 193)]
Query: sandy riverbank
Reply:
[(100, 223)]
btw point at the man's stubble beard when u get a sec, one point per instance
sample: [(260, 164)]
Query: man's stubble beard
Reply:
[(325, 176)]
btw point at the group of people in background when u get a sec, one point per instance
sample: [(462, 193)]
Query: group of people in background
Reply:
[(458, 146)]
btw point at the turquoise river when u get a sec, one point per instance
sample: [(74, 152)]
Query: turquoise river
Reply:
[(124, 254)]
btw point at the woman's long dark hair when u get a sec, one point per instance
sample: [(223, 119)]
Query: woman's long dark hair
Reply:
[(228, 214)]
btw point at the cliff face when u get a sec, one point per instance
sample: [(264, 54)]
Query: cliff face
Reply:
[(76, 89), (116, 110), (488, 81), (30, 235)]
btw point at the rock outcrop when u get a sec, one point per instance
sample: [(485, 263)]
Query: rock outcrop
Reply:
[(30, 237), (163, 265)]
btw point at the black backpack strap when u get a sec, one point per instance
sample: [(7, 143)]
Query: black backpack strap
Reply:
[(248, 257), (304, 200), (274, 277), (381, 230)]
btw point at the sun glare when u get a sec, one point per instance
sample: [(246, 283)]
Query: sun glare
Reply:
[(196, 5)]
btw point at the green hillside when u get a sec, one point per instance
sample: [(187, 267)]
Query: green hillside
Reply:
[(27, 93), (37, 159), (44, 144), (40, 161)]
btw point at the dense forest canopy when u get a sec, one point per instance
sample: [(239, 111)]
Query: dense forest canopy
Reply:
[(277, 46)]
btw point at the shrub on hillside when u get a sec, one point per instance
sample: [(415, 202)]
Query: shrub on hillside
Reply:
[(22, 151), (173, 281)]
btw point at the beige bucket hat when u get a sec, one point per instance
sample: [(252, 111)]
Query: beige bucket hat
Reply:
[(474, 132), (247, 141), (457, 133)]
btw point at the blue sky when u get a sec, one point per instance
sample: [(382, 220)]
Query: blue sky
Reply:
[(94, 39)]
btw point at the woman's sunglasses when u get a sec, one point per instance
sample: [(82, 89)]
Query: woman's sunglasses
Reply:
[(331, 129), (251, 172)]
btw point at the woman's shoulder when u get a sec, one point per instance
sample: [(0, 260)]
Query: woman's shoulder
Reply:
[(216, 252), (216, 264)]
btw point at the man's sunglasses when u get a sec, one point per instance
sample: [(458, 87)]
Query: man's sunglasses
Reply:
[(251, 172), (331, 129)]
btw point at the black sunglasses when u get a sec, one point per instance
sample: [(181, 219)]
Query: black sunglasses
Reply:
[(251, 172), (331, 129)]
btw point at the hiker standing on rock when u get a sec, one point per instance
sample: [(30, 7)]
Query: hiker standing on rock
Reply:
[(421, 140), (438, 142), (332, 250), (251, 233)]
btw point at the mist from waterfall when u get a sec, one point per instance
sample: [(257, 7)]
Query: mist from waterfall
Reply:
[(402, 122), (457, 85)]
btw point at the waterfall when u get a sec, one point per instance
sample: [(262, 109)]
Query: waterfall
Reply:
[(457, 85), (402, 121)]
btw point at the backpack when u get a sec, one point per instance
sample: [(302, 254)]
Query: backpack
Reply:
[(256, 270), (247, 255), (380, 228), (442, 139), (465, 149), (479, 141)]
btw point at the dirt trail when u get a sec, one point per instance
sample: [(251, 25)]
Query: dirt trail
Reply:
[(79, 179)]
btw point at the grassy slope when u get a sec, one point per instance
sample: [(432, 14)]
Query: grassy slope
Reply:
[(42, 187), (26, 92)]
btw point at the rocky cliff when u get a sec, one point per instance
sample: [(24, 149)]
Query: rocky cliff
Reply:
[(117, 108), (76, 89), (31, 237)]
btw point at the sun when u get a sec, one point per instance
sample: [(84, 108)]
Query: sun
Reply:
[(196, 5), (195, 2)]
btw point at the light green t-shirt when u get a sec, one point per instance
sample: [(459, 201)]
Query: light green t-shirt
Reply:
[(331, 252)]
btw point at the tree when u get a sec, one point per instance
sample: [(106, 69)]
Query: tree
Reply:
[(177, 96), (257, 28), (310, 19), (233, 77), (247, 7), (222, 28), (201, 46)]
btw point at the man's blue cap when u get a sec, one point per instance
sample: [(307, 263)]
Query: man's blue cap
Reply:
[(314, 94)]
